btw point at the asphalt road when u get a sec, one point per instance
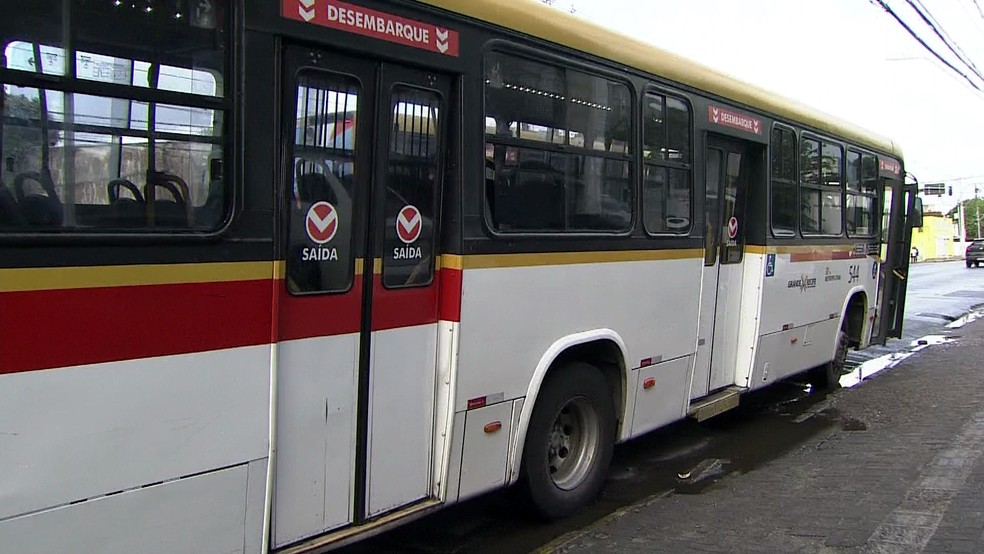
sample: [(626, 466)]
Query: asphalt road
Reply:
[(937, 294)]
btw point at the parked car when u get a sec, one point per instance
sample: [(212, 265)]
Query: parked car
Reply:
[(975, 253)]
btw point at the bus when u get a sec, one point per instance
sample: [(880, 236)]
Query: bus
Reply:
[(279, 275)]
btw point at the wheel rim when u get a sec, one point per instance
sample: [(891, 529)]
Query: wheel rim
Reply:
[(572, 444)]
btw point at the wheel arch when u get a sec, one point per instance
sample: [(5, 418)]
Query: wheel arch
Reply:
[(853, 315), (602, 348)]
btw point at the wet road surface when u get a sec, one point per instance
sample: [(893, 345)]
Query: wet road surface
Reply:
[(682, 458)]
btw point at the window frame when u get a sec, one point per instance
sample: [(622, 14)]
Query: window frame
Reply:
[(860, 193), (441, 147), (542, 56), (668, 165), (820, 187), (224, 106), (304, 77), (794, 183)]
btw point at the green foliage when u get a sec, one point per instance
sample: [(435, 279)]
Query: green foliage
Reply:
[(973, 218), (22, 132)]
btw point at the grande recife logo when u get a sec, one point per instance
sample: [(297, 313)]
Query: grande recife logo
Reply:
[(372, 23)]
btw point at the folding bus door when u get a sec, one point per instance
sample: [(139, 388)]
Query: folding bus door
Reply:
[(898, 200), (363, 163), (727, 170)]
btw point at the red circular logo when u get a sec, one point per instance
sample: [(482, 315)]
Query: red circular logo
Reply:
[(408, 224), (732, 227), (322, 222)]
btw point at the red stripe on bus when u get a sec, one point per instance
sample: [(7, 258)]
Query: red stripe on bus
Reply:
[(450, 295), (58, 328), (65, 327), (338, 314), (404, 307), (319, 315)]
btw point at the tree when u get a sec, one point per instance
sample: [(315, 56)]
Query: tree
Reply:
[(22, 134), (973, 217)]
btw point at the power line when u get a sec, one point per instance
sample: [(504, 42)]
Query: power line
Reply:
[(905, 26), (943, 36)]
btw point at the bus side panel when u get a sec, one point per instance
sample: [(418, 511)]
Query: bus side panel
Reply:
[(751, 310), (316, 392), (663, 401), (202, 514), (803, 303), (792, 287), (82, 432), (510, 316), (789, 352)]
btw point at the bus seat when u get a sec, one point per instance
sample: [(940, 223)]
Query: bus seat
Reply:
[(314, 187), (38, 209), (127, 211), (211, 212), (532, 204), (166, 212), (10, 215)]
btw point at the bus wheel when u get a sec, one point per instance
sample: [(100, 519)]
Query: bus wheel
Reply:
[(827, 376), (570, 441)]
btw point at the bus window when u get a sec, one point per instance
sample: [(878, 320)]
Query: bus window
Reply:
[(821, 188), (862, 194), (668, 189), (558, 141), (712, 182), (110, 161), (736, 169), (784, 202), (321, 259), (413, 180)]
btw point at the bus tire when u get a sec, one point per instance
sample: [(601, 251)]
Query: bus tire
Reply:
[(570, 441), (827, 376)]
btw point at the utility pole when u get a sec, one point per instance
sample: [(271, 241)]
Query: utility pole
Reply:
[(962, 225), (977, 207)]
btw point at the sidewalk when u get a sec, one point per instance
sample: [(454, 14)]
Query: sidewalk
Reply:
[(903, 472)]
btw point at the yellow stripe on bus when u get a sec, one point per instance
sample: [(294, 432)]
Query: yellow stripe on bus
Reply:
[(53, 278), (487, 261), (758, 249)]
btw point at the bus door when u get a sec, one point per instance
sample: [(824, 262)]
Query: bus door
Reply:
[(357, 337), (899, 216), (727, 170)]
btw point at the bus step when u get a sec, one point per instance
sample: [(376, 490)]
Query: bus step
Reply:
[(717, 403)]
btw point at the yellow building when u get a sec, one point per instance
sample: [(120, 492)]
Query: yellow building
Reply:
[(937, 238)]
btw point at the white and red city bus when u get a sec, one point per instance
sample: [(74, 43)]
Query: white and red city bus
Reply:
[(275, 276)]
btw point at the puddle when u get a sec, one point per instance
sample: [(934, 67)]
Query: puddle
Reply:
[(706, 469)]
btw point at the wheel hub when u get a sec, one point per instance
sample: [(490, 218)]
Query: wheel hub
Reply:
[(572, 443)]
